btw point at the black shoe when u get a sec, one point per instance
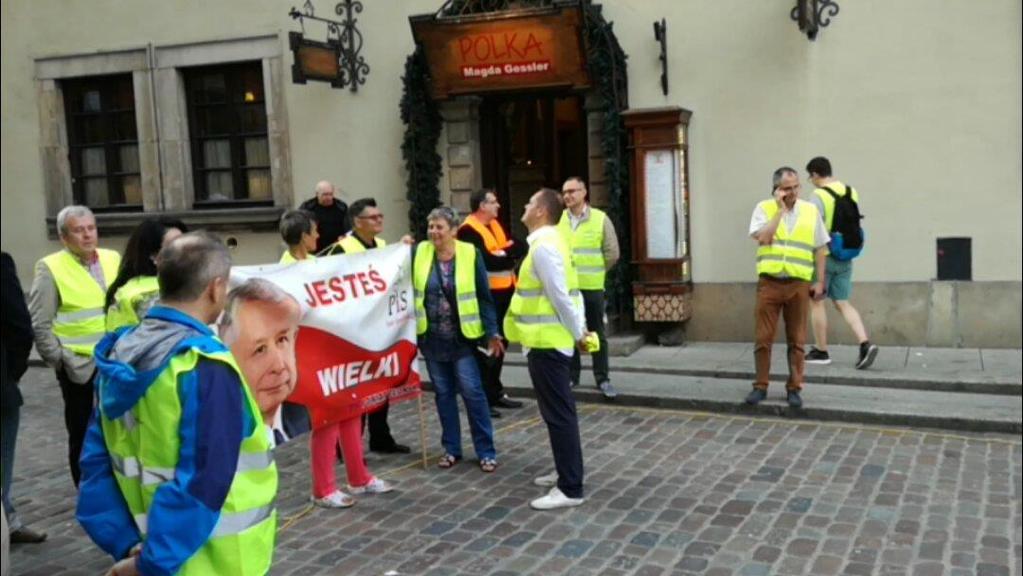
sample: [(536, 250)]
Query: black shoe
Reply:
[(494, 413), (815, 356), (505, 402), (755, 396), (574, 383), (795, 400), (607, 390), (392, 449), (868, 352), (26, 535)]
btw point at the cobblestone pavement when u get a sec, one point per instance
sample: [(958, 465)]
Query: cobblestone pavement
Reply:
[(668, 493)]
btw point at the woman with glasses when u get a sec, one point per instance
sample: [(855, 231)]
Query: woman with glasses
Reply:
[(455, 313)]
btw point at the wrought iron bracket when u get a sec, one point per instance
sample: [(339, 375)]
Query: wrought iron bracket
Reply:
[(661, 35), (353, 68), (812, 15)]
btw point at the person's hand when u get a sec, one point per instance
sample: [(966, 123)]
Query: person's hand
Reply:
[(780, 196), (585, 342), (496, 347), (126, 567), (817, 290), (408, 239), (500, 253)]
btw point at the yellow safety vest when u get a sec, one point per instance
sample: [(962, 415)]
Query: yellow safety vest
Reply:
[(494, 239), (80, 322), (465, 287), (790, 254), (829, 203), (351, 244), (287, 258), (144, 447), (532, 319), (587, 242), (122, 311)]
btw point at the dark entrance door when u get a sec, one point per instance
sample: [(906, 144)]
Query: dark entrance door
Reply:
[(528, 142)]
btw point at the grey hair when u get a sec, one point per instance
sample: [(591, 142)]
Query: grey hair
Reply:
[(253, 290), (444, 213), (68, 212), (188, 265), (781, 173), (295, 223)]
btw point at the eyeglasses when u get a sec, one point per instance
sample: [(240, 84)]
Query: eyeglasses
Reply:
[(373, 217)]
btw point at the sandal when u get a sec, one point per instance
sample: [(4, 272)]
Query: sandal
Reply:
[(447, 461), (488, 465)]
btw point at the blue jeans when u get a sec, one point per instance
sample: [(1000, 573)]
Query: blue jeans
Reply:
[(462, 376), (10, 437)]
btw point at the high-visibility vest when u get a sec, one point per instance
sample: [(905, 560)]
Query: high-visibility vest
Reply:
[(351, 244), (532, 319), (494, 240), (829, 202), (465, 287), (587, 242), (80, 322), (287, 258), (122, 311), (144, 447), (790, 254)]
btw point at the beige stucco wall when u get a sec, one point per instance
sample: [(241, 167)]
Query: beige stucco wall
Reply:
[(916, 102)]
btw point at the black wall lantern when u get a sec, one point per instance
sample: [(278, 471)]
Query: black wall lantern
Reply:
[(343, 45), (812, 15), (661, 35)]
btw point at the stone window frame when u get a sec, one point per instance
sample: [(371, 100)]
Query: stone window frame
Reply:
[(161, 116)]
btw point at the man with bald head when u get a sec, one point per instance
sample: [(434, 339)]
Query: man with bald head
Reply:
[(331, 215)]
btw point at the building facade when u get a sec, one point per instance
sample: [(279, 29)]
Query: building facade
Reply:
[(190, 108)]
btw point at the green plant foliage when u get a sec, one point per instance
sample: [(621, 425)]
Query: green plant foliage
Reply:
[(606, 62), (423, 125)]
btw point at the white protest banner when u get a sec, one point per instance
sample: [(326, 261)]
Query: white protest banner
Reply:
[(356, 344)]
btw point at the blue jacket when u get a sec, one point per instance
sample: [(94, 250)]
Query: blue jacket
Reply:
[(184, 510)]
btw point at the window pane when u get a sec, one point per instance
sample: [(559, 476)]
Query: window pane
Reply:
[(217, 154), (252, 84), (219, 186), (90, 130), (94, 161), (211, 88), (123, 95), (214, 121), (131, 187), (129, 156), (124, 126), (91, 101), (257, 152), (96, 192), (259, 184), (253, 118)]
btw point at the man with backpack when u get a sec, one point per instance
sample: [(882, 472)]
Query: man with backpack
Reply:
[(839, 204)]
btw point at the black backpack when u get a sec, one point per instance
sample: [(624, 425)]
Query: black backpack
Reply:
[(846, 219)]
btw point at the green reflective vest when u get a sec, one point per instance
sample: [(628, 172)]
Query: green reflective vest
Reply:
[(124, 309), (287, 258), (351, 244), (532, 319), (587, 242), (465, 287), (80, 322), (144, 446), (790, 255)]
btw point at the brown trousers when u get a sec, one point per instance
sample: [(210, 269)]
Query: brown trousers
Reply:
[(791, 298)]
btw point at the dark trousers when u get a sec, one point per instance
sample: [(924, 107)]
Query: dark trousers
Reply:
[(379, 431), (78, 401), (490, 366), (548, 369), (9, 415), (593, 303)]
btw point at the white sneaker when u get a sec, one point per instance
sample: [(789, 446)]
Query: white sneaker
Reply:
[(375, 486), (547, 480), (336, 499), (555, 499)]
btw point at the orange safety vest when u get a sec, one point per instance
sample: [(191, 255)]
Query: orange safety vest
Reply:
[(494, 240)]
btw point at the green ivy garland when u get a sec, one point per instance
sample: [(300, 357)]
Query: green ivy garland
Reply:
[(423, 125), (606, 63)]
